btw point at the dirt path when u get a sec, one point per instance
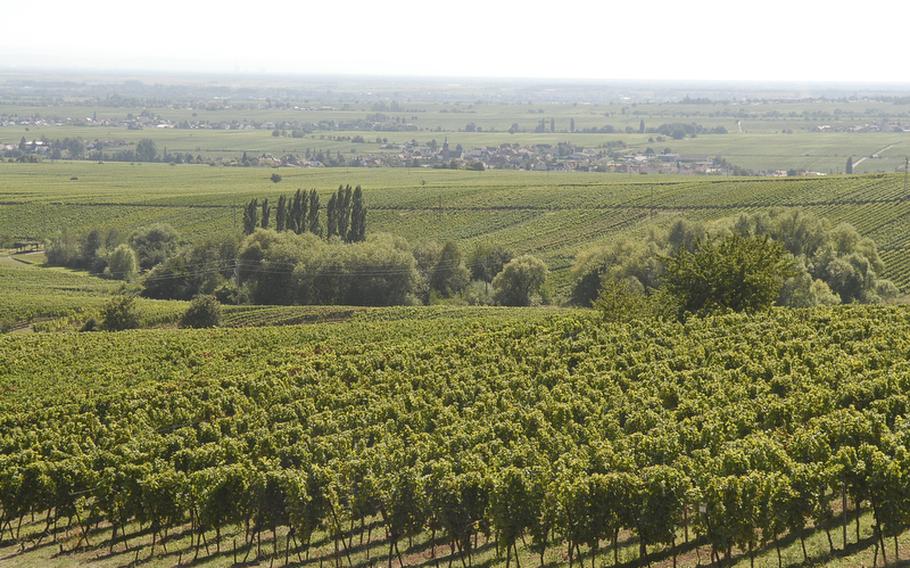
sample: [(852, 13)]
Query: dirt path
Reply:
[(875, 155)]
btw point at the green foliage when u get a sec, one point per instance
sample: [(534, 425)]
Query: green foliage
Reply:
[(194, 270), (154, 244), (122, 263), (266, 214), (487, 260), (87, 251), (331, 214), (742, 274), (120, 313), (520, 281), (449, 276), (281, 214), (250, 216), (284, 268), (478, 293), (625, 300), (203, 311), (626, 259), (838, 256), (64, 250), (91, 245), (832, 264), (146, 150), (312, 213), (358, 231)]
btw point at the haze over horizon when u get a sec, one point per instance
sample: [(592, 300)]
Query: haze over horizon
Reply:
[(699, 40)]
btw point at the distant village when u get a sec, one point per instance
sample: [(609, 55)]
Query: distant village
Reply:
[(613, 157)]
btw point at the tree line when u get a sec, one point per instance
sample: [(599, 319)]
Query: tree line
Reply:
[(346, 214), (291, 267), (788, 258)]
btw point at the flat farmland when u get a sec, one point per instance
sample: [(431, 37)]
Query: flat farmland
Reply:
[(761, 135)]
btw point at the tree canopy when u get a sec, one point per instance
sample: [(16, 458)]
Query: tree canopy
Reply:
[(742, 274), (832, 263), (520, 282)]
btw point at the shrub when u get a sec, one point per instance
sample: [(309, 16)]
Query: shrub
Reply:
[(204, 311), (120, 313), (231, 294), (478, 293), (622, 300)]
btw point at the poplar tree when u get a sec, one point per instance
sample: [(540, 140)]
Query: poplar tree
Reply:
[(331, 214), (281, 214), (294, 213), (343, 211), (302, 213), (358, 229), (313, 218), (266, 213), (250, 216)]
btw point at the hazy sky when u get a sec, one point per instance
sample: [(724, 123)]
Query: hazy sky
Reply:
[(801, 40)]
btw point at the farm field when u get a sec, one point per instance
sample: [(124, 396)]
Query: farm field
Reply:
[(757, 115), (551, 215), (128, 436), (31, 294)]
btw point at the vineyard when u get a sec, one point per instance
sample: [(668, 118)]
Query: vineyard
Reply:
[(59, 298), (470, 439), (551, 215)]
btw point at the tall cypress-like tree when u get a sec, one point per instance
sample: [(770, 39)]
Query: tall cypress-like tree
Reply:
[(281, 214), (331, 215), (343, 211), (313, 217), (294, 213), (850, 165), (358, 217), (302, 214), (250, 216), (291, 223), (266, 213)]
